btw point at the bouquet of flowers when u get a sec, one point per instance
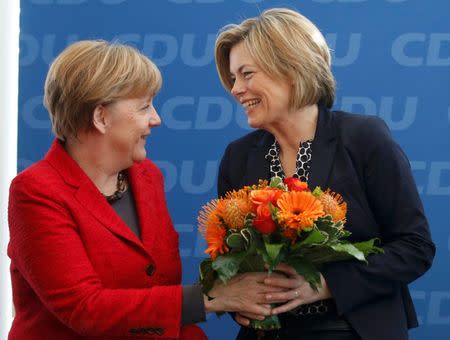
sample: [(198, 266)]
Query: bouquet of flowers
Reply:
[(259, 226)]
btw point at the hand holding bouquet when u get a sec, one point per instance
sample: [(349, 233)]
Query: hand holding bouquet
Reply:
[(266, 224)]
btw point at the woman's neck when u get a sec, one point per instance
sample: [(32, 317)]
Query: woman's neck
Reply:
[(89, 155), (300, 126)]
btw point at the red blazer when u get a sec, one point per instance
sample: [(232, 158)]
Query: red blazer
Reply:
[(78, 270)]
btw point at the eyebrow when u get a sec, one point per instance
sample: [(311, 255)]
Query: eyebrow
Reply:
[(240, 69)]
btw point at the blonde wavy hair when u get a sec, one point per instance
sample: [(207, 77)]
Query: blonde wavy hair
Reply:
[(285, 45), (90, 73)]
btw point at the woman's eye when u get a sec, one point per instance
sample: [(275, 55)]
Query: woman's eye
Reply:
[(145, 107), (247, 74)]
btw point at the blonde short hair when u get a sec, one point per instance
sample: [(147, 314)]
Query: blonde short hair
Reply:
[(91, 73), (286, 45)]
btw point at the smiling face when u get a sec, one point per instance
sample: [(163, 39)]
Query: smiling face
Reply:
[(130, 123), (266, 100)]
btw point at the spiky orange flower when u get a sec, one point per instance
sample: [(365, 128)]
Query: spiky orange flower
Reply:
[(299, 209), (236, 207), (334, 205), (215, 238), (210, 226)]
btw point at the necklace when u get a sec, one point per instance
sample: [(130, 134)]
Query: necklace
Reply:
[(121, 188)]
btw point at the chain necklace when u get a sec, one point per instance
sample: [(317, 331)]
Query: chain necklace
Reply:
[(121, 188)]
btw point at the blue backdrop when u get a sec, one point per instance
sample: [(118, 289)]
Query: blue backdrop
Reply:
[(391, 59)]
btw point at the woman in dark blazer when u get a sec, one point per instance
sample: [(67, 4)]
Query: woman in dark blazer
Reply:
[(277, 66), (94, 254)]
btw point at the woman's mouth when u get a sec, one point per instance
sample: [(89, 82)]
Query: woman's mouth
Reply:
[(250, 104)]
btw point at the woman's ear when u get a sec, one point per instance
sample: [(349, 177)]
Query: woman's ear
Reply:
[(100, 119)]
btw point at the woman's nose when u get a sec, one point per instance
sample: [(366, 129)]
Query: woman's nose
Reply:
[(155, 120), (238, 88)]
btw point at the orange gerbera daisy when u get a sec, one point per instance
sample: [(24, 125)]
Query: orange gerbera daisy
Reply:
[(334, 205), (210, 226), (299, 209), (215, 238)]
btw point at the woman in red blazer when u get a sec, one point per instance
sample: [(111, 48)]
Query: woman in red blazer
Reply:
[(93, 250)]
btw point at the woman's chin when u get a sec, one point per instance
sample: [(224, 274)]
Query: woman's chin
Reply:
[(139, 156)]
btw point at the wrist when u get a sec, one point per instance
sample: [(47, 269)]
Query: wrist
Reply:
[(210, 304)]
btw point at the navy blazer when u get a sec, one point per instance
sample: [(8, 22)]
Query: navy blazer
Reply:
[(356, 156)]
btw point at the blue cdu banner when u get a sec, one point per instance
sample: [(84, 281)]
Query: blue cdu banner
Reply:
[(391, 58)]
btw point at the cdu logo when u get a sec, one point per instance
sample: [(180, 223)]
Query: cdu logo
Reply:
[(433, 177), (352, 52), (384, 108), (420, 49), (74, 2), (189, 183), (204, 113)]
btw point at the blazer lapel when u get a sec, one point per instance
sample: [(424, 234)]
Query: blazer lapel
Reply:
[(144, 197), (323, 149), (258, 167), (94, 202), (87, 193)]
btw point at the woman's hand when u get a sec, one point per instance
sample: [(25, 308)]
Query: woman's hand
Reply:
[(244, 293), (296, 290)]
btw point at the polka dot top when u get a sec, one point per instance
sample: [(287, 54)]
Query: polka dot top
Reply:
[(302, 165)]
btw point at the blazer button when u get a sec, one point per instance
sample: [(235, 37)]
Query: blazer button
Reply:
[(150, 270)]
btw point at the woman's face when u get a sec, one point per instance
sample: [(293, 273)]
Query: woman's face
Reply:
[(265, 100), (130, 124)]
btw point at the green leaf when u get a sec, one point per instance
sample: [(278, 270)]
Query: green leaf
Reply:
[(236, 241), (317, 192), (207, 275), (227, 265), (349, 249), (271, 322), (315, 237), (306, 269), (252, 263), (277, 182), (369, 247), (273, 252)]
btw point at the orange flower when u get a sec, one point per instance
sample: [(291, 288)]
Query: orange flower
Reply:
[(235, 212), (263, 220), (290, 234), (210, 226), (334, 205), (299, 209), (215, 238), (237, 206), (294, 184), (266, 195)]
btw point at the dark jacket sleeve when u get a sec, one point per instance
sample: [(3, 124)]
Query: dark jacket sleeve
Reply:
[(402, 226)]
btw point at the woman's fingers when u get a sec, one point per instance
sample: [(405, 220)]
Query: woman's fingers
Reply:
[(283, 296), (254, 308), (286, 269), (287, 283), (252, 316), (287, 306), (242, 320)]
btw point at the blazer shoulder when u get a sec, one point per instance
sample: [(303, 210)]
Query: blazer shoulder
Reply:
[(361, 129), (150, 169), (41, 173), (248, 140)]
